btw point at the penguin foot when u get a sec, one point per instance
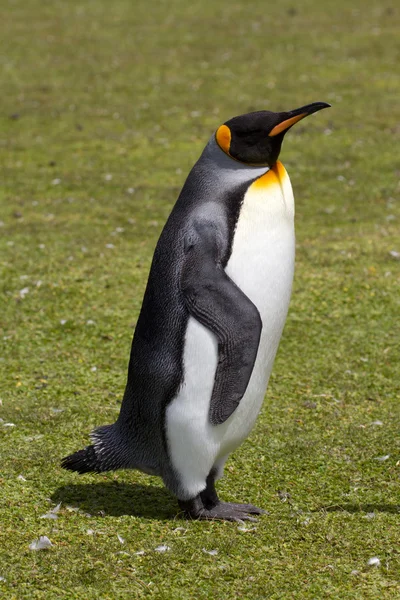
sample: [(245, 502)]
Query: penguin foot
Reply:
[(207, 506), (224, 511)]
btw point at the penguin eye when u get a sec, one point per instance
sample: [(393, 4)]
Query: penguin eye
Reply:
[(223, 137)]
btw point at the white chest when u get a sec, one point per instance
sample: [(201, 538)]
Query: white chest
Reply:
[(262, 257)]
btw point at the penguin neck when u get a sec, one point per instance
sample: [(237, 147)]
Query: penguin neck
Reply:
[(216, 160)]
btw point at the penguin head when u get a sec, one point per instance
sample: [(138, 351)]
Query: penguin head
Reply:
[(256, 138)]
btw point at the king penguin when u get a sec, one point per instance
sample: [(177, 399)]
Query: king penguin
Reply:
[(212, 316)]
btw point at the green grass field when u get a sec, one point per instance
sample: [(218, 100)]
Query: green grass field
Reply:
[(104, 108)]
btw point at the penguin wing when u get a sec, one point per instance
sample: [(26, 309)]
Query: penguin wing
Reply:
[(214, 300)]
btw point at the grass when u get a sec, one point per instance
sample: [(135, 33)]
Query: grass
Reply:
[(104, 108)]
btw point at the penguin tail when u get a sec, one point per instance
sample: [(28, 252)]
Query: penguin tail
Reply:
[(83, 461), (107, 453)]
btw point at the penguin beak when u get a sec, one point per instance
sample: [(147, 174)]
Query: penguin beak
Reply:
[(291, 117)]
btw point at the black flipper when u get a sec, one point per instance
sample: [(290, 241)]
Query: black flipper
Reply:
[(216, 302)]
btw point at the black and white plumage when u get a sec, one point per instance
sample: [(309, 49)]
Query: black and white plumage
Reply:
[(211, 320)]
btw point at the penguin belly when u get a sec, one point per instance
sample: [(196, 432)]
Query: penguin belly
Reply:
[(262, 265)]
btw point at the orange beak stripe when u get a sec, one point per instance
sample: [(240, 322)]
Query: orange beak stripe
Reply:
[(285, 124), (223, 137)]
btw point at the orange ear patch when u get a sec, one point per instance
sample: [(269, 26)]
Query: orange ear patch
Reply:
[(223, 137), (285, 124)]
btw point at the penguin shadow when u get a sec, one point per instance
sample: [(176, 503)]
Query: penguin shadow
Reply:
[(361, 508), (119, 499)]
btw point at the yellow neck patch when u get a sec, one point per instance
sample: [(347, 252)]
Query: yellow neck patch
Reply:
[(274, 176), (223, 137)]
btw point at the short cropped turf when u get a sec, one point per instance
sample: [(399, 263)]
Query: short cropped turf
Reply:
[(104, 108)]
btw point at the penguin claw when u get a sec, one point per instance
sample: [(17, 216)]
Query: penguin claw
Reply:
[(226, 512), (249, 508)]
